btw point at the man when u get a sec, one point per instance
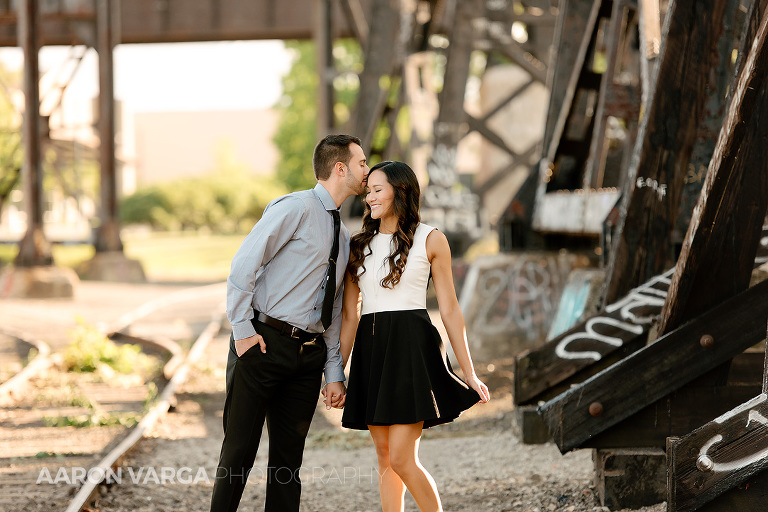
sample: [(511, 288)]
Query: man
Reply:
[(284, 304)]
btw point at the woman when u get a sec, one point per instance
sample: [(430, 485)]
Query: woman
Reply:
[(400, 380)]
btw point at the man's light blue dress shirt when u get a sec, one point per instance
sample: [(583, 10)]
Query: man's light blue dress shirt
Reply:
[(280, 270)]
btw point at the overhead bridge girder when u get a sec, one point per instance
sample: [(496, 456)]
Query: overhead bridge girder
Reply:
[(172, 21)]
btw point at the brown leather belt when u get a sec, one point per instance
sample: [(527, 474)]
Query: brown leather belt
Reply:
[(287, 329)]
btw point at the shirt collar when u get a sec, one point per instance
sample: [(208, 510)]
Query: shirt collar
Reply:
[(325, 197)]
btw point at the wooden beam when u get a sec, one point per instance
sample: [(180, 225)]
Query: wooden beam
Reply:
[(573, 19), (654, 371), (596, 159), (718, 456), (719, 85), (568, 93), (677, 414), (651, 28), (622, 323), (717, 255), (642, 245)]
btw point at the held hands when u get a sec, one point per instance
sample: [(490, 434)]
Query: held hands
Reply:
[(335, 395), (478, 386), (244, 345)]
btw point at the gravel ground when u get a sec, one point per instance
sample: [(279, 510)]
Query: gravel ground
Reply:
[(477, 461)]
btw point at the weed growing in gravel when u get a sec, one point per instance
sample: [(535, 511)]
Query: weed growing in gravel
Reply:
[(95, 419), (89, 349)]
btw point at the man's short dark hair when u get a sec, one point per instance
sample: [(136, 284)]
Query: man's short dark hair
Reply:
[(332, 149)]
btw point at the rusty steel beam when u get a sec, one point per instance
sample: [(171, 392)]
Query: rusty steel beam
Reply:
[(172, 21), (108, 234), (34, 249)]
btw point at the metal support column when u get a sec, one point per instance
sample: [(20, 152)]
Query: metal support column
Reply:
[(108, 233), (324, 52), (34, 249)]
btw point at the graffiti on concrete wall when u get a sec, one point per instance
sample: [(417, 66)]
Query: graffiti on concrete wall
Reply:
[(511, 300)]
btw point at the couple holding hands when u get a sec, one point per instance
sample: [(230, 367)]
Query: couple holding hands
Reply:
[(296, 315)]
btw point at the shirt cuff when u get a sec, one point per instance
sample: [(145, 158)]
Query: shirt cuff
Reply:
[(334, 374), (243, 330)]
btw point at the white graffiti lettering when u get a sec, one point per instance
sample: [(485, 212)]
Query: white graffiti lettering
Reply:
[(645, 295), (592, 335), (753, 416), (660, 189)]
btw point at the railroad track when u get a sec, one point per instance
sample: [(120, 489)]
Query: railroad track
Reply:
[(41, 466)]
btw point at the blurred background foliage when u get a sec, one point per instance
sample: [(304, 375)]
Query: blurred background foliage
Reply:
[(296, 133)]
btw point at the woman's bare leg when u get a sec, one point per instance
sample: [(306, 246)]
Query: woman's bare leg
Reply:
[(391, 487), (404, 460)]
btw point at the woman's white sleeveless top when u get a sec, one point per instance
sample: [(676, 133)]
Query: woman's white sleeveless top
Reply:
[(411, 292)]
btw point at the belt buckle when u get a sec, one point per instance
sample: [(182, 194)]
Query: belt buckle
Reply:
[(293, 333)]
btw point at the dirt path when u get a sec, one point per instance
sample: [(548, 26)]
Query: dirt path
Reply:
[(478, 463)]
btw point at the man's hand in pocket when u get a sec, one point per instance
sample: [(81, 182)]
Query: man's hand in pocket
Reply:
[(242, 346)]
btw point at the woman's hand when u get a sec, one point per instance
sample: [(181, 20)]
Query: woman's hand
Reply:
[(478, 386)]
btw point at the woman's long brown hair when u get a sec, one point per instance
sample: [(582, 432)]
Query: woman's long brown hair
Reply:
[(406, 208)]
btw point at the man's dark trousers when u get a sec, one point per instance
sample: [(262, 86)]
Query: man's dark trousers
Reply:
[(283, 386)]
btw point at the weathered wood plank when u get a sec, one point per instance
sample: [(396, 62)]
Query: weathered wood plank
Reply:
[(596, 159), (657, 369), (620, 324), (574, 18), (677, 414), (722, 241), (718, 456), (707, 131), (643, 247)]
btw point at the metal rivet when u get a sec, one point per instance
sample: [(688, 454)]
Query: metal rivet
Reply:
[(705, 463), (707, 341), (596, 409)]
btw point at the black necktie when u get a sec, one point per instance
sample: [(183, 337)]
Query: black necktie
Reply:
[(330, 280)]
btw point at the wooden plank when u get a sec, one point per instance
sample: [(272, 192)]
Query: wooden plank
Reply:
[(722, 241), (596, 159), (676, 414), (621, 323), (718, 87), (718, 456), (749, 496), (650, 25), (629, 479), (642, 247), (573, 19), (561, 119), (654, 371)]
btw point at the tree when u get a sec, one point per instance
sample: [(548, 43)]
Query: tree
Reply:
[(10, 140), (295, 137)]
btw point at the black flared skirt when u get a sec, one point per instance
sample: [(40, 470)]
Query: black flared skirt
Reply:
[(399, 374)]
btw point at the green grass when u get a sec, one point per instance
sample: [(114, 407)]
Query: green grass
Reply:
[(64, 255), (184, 257), (165, 256)]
